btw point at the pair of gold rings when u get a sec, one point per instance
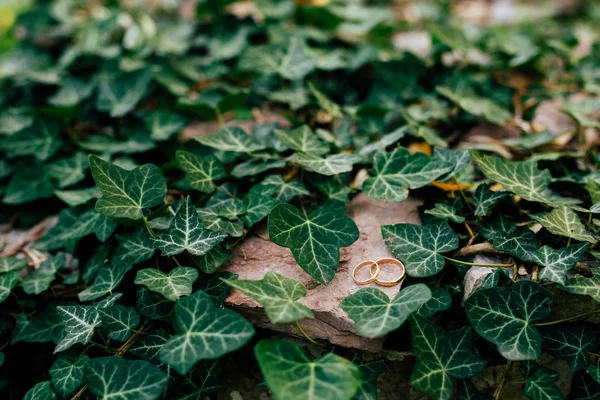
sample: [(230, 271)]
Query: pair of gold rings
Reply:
[(375, 273)]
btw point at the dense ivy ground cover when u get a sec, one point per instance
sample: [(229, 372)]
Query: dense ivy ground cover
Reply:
[(122, 298)]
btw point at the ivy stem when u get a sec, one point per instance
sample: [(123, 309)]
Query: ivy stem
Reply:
[(219, 116), (469, 229), (477, 264), (560, 321), (462, 194), (304, 334), (148, 227), (569, 242), (594, 354)]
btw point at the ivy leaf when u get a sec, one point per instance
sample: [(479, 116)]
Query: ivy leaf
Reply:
[(370, 373), (149, 345), (7, 282), (28, 184), (506, 236), (118, 96), (257, 207), (40, 280), (256, 166), (441, 356), (231, 138), (398, 171), (420, 247), (583, 386), (211, 261), (137, 246), (67, 375), (314, 239), (176, 284), (126, 193), (594, 371), (584, 286), (291, 375), (557, 262), (541, 385), (77, 197), (164, 124), (485, 199), (114, 377), (278, 295), (69, 171), (8, 264), (468, 391), (440, 301), (448, 211), (563, 221), (522, 178), (285, 191), (330, 165), (335, 190), (458, 159), (302, 139), (476, 105), (72, 227), (374, 314), (202, 171), (118, 322), (203, 332), (108, 278), (78, 322), (71, 93), (186, 233), (505, 317), (42, 328), (41, 391), (41, 140), (152, 305), (296, 64), (570, 344), (210, 219)]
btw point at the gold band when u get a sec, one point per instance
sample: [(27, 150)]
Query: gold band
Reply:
[(383, 261), (373, 276)]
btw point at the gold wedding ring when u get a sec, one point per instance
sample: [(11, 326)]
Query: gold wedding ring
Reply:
[(383, 261), (373, 276)]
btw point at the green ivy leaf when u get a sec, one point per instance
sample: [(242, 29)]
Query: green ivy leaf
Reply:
[(330, 165), (506, 236), (119, 95), (231, 138), (314, 239), (7, 282), (256, 166), (370, 374), (77, 197), (441, 356), (468, 391), (291, 375), (119, 321), (570, 344), (203, 332), (41, 391), (448, 211), (302, 139), (458, 159), (285, 191), (420, 247), (28, 184), (8, 264), (522, 178), (335, 190), (117, 378), (541, 385), (72, 92), (67, 375), (278, 295), (440, 301), (107, 280), (149, 345), (40, 280), (69, 171), (584, 286), (485, 199), (563, 221), (210, 219), (137, 246), (257, 207), (41, 140), (557, 262), (375, 315), (202, 171), (44, 327), (505, 317), (164, 124), (398, 171), (152, 305), (174, 285), (325, 103), (186, 233), (594, 371), (476, 105), (210, 262), (126, 193)]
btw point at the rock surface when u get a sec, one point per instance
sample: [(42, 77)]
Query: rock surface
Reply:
[(256, 256)]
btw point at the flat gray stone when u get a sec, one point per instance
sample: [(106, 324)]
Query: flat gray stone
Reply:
[(256, 256)]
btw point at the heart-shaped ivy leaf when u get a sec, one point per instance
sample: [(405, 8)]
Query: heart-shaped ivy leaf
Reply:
[(563, 221), (202, 171), (173, 285), (557, 262), (67, 375)]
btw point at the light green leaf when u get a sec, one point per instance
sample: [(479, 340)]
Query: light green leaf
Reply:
[(187, 233), (40, 280), (164, 124), (374, 314), (118, 322), (41, 391), (8, 264), (385, 141), (325, 103), (202, 171), (13, 120), (541, 385), (593, 189), (285, 191), (174, 285), (476, 105), (420, 247), (27, 185), (522, 178), (67, 375), (330, 165), (291, 375), (72, 92), (296, 64), (77, 197), (557, 262), (278, 295), (314, 239), (584, 286), (107, 280), (41, 140), (441, 356), (398, 171), (137, 246), (117, 378), (203, 332), (485, 199), (563, 221), (7, 282), (118, 96), (69, 171), (231, 138), (570, 344), (255, 166), (505, 317), (448, 211), (302, 139), (506, 236), (126, 193)]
